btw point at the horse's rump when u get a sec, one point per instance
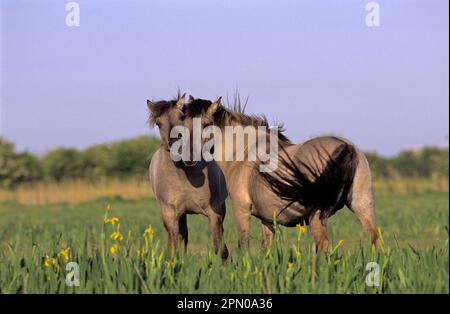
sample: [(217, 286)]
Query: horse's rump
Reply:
[(317, 175)]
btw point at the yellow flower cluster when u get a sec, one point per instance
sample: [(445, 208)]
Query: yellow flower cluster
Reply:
[(116, 235), (53, 261)]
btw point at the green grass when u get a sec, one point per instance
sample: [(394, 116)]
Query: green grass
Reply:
[(413, 259)]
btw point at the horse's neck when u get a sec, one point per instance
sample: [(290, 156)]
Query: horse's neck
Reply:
[(168, 164), (227, 160)]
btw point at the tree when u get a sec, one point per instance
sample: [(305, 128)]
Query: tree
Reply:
[(63, 163), (16, 168), (381, 167), (97, 162), (131, 158)]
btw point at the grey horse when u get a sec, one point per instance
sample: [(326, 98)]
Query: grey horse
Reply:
[(313, 180), (181, 189)]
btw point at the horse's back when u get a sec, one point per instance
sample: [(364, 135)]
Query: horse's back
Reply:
[(329, 144)]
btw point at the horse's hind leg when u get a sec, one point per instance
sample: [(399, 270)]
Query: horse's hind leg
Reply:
[(364, 210), (242, 217), (267, 233), (361, 200), (183, 231), (318, 229)]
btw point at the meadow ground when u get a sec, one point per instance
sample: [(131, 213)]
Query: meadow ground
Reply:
[(37, 242)]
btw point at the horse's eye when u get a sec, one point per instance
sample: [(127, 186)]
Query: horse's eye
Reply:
[(158, 124)]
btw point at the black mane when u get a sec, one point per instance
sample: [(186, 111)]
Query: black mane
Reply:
[(234, 113)]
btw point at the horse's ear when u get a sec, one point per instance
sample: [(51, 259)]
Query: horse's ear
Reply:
[(214, 106), (151, 106), (191, 99), (180, 102)]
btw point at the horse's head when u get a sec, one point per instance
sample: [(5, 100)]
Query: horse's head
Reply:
[(197, 116), (166, 115)]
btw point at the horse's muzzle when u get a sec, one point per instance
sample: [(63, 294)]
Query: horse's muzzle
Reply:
[(190, 163)]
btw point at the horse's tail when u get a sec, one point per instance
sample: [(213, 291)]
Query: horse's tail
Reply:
[(302, 182)]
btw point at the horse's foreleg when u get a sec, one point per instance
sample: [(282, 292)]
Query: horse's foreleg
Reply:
[(318, 228), (183, 231), (216, 223), (267, 233), (172, 227)]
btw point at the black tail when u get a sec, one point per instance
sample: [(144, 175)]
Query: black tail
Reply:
[(326, 190)]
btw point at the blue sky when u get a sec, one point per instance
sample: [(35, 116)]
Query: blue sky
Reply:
[(313, 65)]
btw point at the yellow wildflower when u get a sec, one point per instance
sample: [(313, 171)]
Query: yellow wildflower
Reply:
[(290, 265), (49, 261), (114, 248), (112, 221), (117, 236), (340, 242), (149, 231), (65, 254), (300, 228)]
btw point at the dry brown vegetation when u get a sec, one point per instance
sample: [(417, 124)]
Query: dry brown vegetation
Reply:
[(410, 186), (75, 192)]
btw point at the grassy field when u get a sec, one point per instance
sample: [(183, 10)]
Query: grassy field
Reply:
[(128, 256)]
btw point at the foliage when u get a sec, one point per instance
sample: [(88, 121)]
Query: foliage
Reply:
[(121, 160), (129, 159), (123, 250), (63, 164), (16, 168), (427, 162)]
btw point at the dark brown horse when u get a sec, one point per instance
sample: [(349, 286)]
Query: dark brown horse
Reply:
[(313, 179), (180, 189)]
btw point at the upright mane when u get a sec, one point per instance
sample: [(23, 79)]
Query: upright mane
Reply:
[(160, 107), (233, 113)]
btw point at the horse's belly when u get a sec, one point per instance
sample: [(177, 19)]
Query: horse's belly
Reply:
[(267, 206), (292, 215)]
